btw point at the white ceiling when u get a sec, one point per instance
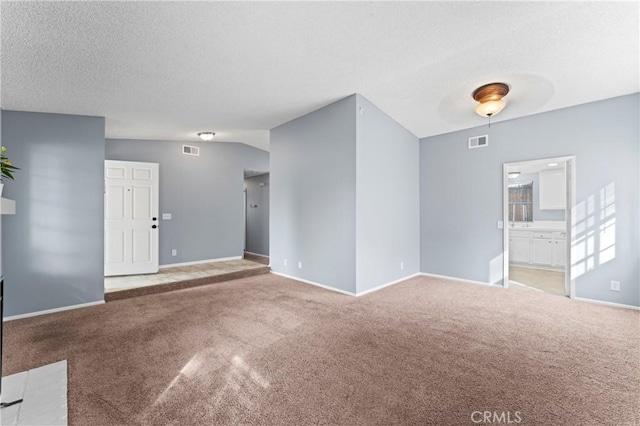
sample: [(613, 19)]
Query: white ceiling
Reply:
[(167, 70)]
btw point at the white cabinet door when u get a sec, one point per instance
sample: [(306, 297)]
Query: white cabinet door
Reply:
[(553, 190), (541, 251), (131, 218), (519, 249), (559, 252)]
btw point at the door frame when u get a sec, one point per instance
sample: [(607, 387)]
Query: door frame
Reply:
[(244, 239), (570, 179)]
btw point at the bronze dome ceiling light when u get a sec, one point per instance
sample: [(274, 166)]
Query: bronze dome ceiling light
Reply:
[(206, 136), (490, 97)]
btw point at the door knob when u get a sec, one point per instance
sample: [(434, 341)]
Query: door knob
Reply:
[(154, 218), (154, 226)]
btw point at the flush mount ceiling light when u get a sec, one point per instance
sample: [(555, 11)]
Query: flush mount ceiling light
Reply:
[(490, 98), (513, 175), (206, 136)]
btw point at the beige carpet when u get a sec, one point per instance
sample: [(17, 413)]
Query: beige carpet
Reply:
[(270, 351)]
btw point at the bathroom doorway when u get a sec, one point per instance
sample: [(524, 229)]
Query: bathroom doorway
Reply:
[(538, 199), (256, 195)]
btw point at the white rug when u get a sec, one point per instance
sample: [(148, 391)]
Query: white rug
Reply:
[(44, 394)]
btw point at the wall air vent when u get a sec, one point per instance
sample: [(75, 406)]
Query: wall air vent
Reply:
[(479, 141), (190, 150)]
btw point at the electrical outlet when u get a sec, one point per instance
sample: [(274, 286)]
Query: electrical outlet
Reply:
[(615, 285), (286, 262), (166, 216), (402, 266), (299, 265), (174, 252)]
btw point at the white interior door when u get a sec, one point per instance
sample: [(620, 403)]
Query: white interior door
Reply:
[(130, 218)]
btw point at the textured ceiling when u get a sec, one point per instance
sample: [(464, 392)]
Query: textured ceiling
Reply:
[(167, 70)]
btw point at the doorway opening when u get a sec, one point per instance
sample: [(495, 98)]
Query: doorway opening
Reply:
[(132, 238), (256, 216), (538, 197)]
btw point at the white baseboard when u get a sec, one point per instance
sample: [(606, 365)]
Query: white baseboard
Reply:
[(447, 277), (198, 262), (380, 287), (52, 311), (326, 287), (612, 304), (371, 290), (580, 299), (257, 254)]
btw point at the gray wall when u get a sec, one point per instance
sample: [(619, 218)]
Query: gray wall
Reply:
[(3, 191), (459, 236), (557, 215), (258, 217), (313, 190), (53, 246), (345, 197), (203, 194), (387, 199)]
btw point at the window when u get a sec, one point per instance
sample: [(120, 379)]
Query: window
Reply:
[(521, 202)]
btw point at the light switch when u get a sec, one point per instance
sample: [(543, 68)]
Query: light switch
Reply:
[(500, 224), (166, 216)]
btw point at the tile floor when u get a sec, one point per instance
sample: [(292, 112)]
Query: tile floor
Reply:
[(537, 280), (178, 273), (44, 394)]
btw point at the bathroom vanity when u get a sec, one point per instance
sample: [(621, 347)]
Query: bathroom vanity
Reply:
[(540, 246)]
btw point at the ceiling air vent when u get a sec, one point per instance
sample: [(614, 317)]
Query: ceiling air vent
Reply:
[(479, 141), (190, 150)]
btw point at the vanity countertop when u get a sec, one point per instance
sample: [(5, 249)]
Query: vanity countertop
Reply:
[(539, 229), (548, 226)]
